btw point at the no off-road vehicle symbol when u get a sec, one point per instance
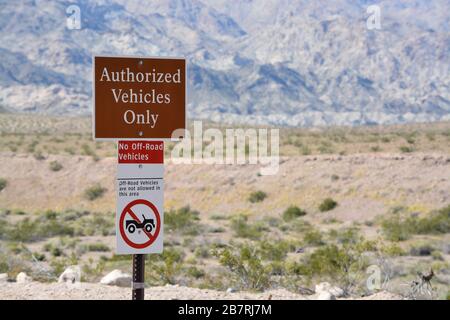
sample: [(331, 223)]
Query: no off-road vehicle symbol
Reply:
[(139, 223)]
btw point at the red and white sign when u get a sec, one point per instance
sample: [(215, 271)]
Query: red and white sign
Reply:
[(140, 198)]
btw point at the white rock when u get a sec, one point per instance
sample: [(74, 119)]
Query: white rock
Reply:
[(117, 278), (3, 277), (72, 274), (22, 277), (326, 287), (325, 295)]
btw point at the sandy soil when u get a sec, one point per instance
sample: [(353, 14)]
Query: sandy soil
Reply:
[(87, 291), (365, 185)]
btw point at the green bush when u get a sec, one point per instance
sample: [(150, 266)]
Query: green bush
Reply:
[(97, 247), (202, 252), (243, 229), (392, 250), (257, 196), (93, 270), (399, 229), (56, 251), (327, 205), (39, 156), (94, 192), (246, 267), (48, 224), (395, 229), (164, 268), (343, 264), (275, 250), (313, 238), (195, 272), (184, 220), (348, 235), (55, 166), (24, 230), (293, 212), (406, 149), (3, 183)]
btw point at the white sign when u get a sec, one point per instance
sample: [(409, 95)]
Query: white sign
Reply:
[(140, 197)]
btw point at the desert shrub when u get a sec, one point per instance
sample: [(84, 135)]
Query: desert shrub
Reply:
[(55, 166), (3, 183), (392, 250), (334, 177), (348, 235), (202, 252), (437, 223), (375, 149), (219, 217), (92, 270), (246, 267), (59, 264), (4, 267), (275, 250), (243, 229), (217, 230), (97, 247), (313, 238), (48, 224), (165, 268), (86, 150), (257, 196), (86, 224), (69, 150), (406, 149), (94, 192), (299, 225), (194, 272), (421, 250), (39, 156), (184, 220), (437, 255), (343, 264), (24, 230), (305, 151), (56, 251), (12, 263), (395, 229), (398, 228), (327, 205), (3, 229), (293, 212)]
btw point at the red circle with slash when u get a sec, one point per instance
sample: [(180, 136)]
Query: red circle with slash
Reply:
[(128, 210)]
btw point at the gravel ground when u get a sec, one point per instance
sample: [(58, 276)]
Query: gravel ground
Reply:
[(89, 291)]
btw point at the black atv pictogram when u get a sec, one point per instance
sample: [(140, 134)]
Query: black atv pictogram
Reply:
[(146, 224)]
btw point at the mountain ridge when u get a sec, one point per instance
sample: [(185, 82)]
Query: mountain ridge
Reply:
[(306, 64)]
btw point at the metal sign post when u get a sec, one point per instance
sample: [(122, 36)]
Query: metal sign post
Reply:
[(138, 277)]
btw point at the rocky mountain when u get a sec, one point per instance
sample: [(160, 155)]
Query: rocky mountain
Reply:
[(298, 63)]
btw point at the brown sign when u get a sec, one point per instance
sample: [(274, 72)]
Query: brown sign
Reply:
[(139, 98)]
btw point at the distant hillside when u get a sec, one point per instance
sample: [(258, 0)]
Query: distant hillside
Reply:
[(299, 63)]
